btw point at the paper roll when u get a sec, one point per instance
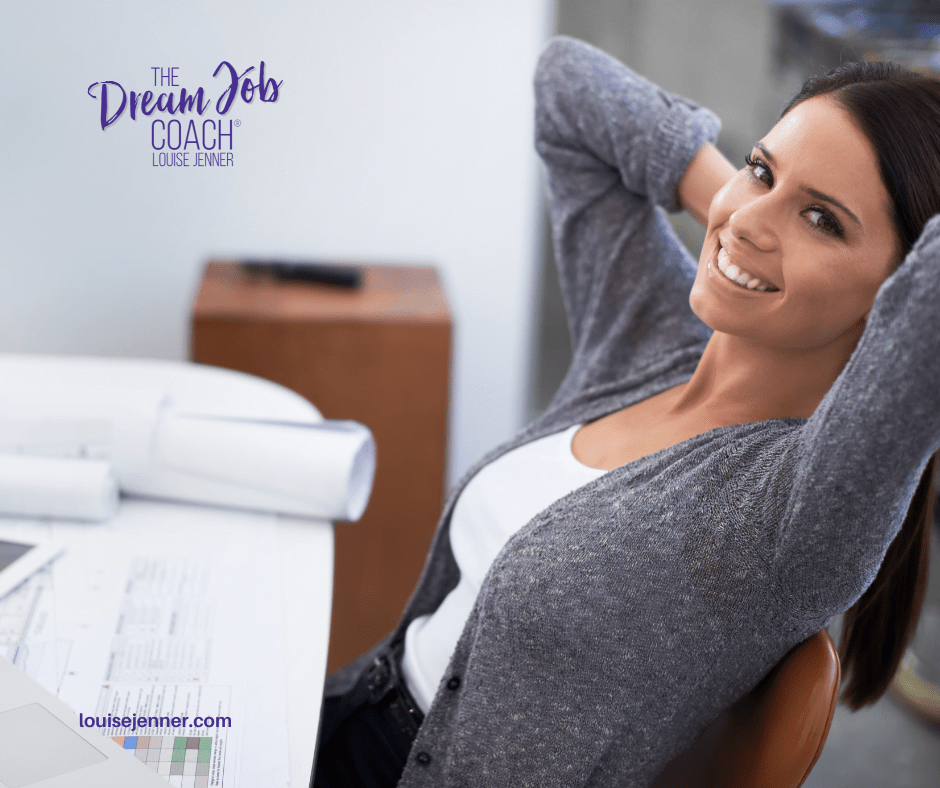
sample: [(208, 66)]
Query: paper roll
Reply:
[(323, 470), (55, 487)]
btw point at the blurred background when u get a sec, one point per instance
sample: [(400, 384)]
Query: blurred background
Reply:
[(402, 135)]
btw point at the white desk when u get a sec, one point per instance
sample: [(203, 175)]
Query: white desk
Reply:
[(301, 549)]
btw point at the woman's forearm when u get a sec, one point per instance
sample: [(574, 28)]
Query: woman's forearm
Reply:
[(708, 171)]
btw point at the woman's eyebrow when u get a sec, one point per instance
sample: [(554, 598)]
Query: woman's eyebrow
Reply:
[(809, 190)]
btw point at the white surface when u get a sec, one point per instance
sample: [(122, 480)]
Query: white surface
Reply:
[(306, 551), (195, 387), (62, 624), (57, 487), (402, 133)]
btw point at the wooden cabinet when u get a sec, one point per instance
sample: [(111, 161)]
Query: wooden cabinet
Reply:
[(379, 355)]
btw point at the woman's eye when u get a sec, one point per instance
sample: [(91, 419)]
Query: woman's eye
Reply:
[(823, 222), (759, 170)]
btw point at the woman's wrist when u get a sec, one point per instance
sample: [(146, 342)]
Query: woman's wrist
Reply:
[(708, 171)]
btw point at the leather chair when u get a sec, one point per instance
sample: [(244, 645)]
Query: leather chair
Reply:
[(772, 737)]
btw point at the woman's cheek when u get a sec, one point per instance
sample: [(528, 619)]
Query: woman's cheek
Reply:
[(723, 202)]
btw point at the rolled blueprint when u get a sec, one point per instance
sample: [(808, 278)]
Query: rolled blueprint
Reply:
[(323, 470), (314, 468), (77, 489)]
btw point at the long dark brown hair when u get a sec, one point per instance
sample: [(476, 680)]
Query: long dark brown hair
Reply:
[(899, 112)]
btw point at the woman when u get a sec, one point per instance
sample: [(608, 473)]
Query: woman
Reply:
[(710, 484)]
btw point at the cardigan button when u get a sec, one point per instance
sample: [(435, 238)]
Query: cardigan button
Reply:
[(453, 682), (423, 758)]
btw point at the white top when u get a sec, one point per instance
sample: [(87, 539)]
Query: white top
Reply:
[(497, 502)]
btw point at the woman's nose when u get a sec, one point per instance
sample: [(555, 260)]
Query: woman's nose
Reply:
[(755, 221)]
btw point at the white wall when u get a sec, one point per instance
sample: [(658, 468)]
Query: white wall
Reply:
[(402, 134)]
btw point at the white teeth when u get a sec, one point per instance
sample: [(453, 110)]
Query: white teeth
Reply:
[(738, 275), (723, 260)]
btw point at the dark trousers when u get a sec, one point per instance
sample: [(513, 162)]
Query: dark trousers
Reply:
[(367, 733)]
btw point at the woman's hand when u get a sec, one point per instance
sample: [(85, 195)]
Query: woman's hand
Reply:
[(708, 171)]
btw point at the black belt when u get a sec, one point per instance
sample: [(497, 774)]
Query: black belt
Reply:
[(389, 694)]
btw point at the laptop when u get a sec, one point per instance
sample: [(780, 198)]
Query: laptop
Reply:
[(42, 744)]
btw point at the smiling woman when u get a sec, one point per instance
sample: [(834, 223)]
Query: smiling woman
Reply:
[(778, 222), (726, 466), (787, 275)]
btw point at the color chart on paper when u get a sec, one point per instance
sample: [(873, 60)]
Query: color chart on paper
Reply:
[(182, 760)]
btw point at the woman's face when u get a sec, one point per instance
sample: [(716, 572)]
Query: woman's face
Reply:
[(805, 230)]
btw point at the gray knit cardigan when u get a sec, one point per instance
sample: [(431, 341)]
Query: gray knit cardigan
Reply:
[(622, 619)]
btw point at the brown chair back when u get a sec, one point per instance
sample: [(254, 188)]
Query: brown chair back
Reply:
[(772, 737)]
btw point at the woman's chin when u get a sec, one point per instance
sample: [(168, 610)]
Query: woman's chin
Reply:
[(699, 301)]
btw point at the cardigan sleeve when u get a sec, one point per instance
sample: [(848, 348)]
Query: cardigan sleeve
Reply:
[(856, 463), (613, 146)]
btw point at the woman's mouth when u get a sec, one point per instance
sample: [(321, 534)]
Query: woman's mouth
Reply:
[(741, 277)]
